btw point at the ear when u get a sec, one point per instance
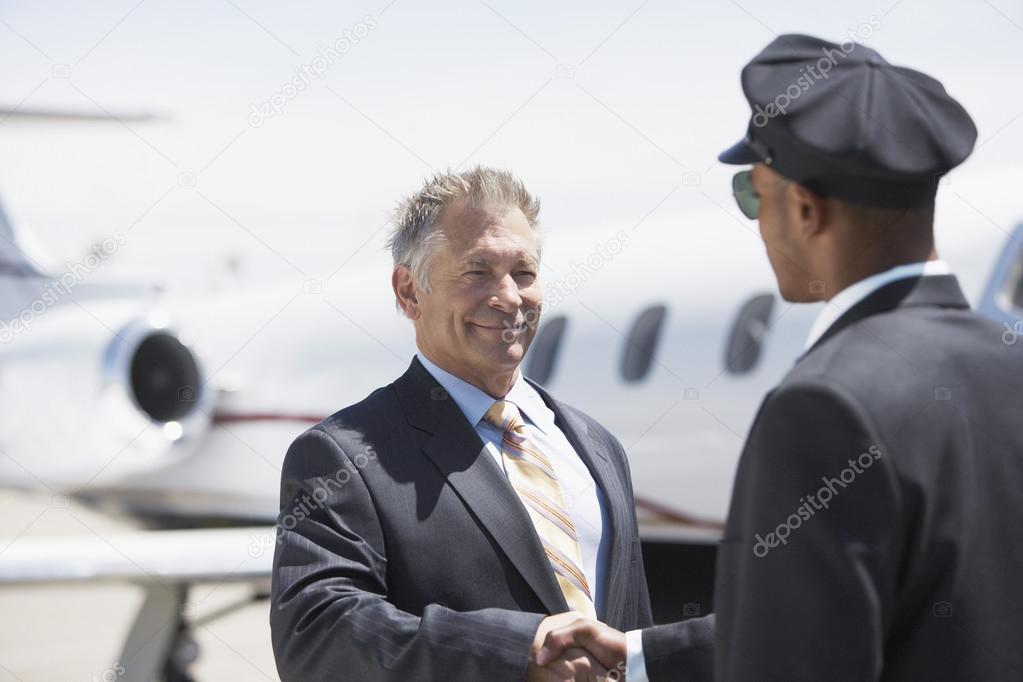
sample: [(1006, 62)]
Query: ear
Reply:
[(807, 210), (404, 286)]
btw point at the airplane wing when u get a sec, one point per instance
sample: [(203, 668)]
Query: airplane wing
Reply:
[(160, 643), (75, 116), (165, 557)]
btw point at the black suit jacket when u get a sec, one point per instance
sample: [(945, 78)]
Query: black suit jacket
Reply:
[(404, 554), (905, 424)]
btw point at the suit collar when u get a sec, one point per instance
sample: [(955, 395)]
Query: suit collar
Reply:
[(575, 429), (474, 402), (854, 293), (458, 453), (456, 450), (933, 290)]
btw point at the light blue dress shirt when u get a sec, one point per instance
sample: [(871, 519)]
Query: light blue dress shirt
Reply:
[(584, 500)]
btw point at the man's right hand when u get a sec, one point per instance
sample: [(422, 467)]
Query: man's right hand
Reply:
[(573, 664)]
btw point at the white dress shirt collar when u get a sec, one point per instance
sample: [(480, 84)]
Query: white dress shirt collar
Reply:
[(841, 302), (474, 401)]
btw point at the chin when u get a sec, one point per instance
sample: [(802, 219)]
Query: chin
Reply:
[(504, 357), (513, 354)]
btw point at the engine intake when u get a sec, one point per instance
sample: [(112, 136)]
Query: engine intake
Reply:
[(164, 378)]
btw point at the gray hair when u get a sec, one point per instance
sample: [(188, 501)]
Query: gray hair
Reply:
[(415, 235)]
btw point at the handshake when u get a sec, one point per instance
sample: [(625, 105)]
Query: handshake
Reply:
[(572, 648)]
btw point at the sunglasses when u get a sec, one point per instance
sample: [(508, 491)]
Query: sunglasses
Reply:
[(746, 196)]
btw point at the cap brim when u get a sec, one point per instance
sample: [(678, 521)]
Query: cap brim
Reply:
[(739, 154)]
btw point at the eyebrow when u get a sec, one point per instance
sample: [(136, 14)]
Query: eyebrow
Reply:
[(487, 263)]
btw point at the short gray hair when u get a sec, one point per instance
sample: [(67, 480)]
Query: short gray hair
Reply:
[(414, 233)]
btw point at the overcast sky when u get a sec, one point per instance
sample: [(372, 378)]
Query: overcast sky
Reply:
[(613, 112)]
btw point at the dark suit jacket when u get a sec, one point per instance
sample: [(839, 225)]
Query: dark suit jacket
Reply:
[(404, 554), (904, 424)]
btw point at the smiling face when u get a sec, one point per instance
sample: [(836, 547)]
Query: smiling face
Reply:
[(484, 289)]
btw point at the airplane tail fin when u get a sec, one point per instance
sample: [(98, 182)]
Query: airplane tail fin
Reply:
[(20, 255), (16, 250)]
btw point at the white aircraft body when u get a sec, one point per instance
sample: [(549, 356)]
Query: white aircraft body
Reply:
[(177, 412)]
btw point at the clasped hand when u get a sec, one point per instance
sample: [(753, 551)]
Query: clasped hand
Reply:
[(571, 648)]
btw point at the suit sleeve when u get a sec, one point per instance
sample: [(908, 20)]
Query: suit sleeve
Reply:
[(806, 571), (680, 652), (330, 616)]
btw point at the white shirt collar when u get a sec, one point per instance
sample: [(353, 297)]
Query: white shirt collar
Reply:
[(474, 401), (841, 302)]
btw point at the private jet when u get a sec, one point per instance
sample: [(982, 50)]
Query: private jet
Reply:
[(175, 412)]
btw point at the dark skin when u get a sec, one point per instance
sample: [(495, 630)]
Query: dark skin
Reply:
[(818, 246)]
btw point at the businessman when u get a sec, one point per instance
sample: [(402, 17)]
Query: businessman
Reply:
[(453, 517), (874, 530)]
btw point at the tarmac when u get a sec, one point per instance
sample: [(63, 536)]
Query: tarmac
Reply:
[(76, 632)]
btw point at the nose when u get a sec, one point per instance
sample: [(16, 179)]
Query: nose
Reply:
[(505, 296)]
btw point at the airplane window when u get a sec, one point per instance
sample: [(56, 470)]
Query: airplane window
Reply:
[(1003, 294), (745, 342), (1017, 295), (639, 350), (543, 352)]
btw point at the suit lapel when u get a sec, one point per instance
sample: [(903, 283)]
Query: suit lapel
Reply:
[(459, 454), (594, 455)]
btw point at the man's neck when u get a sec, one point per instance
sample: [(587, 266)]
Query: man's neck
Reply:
[(496, 385), (853, 273)]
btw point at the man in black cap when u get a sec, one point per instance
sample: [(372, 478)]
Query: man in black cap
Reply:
[(875, 530)]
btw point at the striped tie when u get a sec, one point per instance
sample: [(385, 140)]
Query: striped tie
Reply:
[(533, 478)]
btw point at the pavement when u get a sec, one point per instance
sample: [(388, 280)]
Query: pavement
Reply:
[(75, 632)]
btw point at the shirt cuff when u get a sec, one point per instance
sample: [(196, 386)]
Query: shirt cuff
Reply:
[(635, 663)]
